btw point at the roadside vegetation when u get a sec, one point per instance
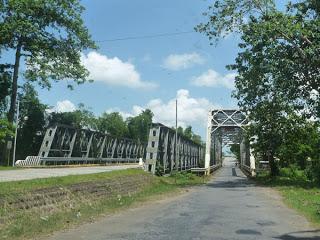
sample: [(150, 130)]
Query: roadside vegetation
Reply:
[(41, 206), (297, 190), (8, 168)]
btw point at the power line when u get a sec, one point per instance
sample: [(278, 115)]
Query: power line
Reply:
[(146, 36)]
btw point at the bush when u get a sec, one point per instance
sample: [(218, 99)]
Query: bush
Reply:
[(293, 172), (313, 171)]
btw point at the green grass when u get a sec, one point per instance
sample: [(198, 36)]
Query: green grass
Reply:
[(26, 185), (8, 168), (27, 224), (298, 193)]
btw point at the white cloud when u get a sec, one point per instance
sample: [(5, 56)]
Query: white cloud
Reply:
[(191, 111), (182, 61), (63, 106), (125, 115), (113, 71), (211, 78)]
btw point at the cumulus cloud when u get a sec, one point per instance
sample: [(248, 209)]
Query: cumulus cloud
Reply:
[(125, 115), (211, 78), (113, 71), (177, 62), (63, 106), (191, 111)]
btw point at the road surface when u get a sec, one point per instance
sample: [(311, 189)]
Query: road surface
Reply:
[(229, 207), (32, 173)]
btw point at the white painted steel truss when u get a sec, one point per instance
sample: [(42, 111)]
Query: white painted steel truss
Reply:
[(226, 126)]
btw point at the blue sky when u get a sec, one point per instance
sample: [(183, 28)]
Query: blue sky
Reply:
[(135, 74)]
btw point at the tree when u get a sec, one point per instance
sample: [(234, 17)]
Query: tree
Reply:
[(197, 139), (5, 77), (48, 36), (80, 118), (278, 66), (139, 126), (6, 130), (188, 132), (31, 122), (113, 124)]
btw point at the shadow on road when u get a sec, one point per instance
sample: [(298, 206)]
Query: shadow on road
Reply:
[(295, 235), (231, 184)]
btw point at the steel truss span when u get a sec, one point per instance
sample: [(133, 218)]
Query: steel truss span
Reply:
[(67, 145), (162, 157), (225, 127)]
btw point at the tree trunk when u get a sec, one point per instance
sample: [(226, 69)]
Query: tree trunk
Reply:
[(14, 86), (274, 169)]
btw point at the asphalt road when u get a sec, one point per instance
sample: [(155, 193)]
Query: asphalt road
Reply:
[(32, 173), (229, 207)]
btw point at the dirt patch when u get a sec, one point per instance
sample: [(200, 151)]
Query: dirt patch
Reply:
[(47, 201)]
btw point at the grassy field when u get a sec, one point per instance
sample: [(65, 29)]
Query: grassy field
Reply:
[(82, 198), (298, 193)]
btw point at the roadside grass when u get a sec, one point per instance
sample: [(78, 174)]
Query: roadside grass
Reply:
[(8, 168), (298, 193), (28, 224), (27, 185)]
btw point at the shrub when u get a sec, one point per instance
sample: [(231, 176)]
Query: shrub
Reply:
[(313, 171)]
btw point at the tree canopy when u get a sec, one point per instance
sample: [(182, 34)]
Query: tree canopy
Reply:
[(49, 36), (278, 68)]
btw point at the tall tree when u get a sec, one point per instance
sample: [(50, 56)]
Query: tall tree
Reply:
[(113, 124), (139, 126), (31, 122), (278, 66), (48, 36)]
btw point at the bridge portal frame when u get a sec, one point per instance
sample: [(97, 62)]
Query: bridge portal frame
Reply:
[(222, 127)]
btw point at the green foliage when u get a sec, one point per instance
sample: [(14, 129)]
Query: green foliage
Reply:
[(31, 123), (49, 36), (227, 16), (139, 126), (297, 192), (5, 78), (186, 178), (313, 172), (278, 74), (189, 134), (113, 123), (293, 172), (80, 118), (6, 130)]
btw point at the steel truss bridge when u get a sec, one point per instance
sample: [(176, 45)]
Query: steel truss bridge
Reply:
[(65, 145), (167, 152), (226, 127)]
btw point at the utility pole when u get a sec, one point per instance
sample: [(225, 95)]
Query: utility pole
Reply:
[(15, 135), (176, 145)]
